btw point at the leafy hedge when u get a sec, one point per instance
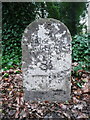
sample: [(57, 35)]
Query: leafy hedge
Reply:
[(81, 51), (15, 18)]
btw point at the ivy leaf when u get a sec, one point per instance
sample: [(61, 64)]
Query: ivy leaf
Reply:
[(6, 75), (79, 85)]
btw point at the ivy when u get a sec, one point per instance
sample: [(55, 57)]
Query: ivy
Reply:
[(80, 51), (16, 17)]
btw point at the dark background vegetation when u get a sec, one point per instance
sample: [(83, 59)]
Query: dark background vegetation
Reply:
[(16, 17)]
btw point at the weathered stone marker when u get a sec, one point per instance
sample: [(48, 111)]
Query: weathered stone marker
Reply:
[(46, 61)]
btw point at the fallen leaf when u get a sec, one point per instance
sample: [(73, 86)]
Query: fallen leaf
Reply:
[(75, 100), (85, 88), (6, 79)]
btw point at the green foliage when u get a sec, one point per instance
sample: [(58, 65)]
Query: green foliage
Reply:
[(16, 16), (17, 72), (70, 13), (53, 10), (6, 75), (79, 85), (80, 51)]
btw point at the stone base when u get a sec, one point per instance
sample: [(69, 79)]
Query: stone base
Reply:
[(57, 95)]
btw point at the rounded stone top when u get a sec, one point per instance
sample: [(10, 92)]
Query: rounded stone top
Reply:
[(46, 20), (45, 41), (47, 23)]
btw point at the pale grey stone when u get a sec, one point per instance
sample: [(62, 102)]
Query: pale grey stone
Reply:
[(46, 61)]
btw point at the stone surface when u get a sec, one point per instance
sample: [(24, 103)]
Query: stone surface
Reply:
[(46, 61)]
